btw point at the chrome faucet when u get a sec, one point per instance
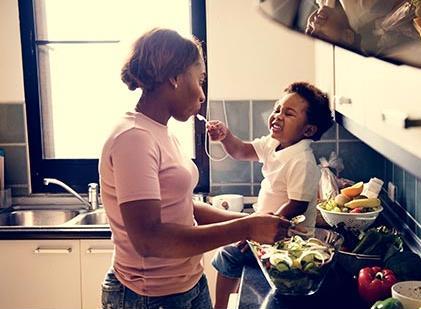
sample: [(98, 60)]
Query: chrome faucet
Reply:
[(93, 196)]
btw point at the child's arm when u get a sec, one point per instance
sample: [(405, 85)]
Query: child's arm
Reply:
[(291, 209), (235, 147)]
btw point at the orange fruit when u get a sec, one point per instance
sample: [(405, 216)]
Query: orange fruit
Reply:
[(353, 190)]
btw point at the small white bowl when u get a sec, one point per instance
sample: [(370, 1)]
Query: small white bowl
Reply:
[(255, 207), (231, 202), (355, 220), (408, 293)]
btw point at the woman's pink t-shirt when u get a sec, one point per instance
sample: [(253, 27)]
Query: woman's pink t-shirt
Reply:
[(142, 160)]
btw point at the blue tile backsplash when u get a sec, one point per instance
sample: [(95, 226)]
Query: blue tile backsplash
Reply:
[(360, 161), (230, 172), (261, 111), (248, 120)]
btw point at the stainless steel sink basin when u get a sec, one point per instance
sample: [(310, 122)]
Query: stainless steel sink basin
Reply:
[(92, 218), (38, 217)]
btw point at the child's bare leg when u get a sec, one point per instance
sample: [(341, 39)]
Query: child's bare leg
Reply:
[(224, 287)]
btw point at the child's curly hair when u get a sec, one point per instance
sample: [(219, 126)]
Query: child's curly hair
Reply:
[(318, 111)]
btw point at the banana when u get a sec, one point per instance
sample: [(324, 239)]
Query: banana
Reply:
[(367, 202)]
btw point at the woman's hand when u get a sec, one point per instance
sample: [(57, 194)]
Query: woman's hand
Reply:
[(243, 246), (217, 130), (267, 228)]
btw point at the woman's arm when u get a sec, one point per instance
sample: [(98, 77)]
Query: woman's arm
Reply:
[(153, 238), (207, 214)]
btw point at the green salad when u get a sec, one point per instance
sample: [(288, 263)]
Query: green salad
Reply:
[(295, 265)]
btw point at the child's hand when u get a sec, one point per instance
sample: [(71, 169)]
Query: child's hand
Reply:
[(217, 130)]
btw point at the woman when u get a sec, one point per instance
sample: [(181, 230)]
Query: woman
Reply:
[(147, 186)]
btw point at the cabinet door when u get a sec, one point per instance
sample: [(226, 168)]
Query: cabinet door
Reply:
[(381, 95), (394, 95), (39, 274), (352, 87), (96, 258), (324, 64)]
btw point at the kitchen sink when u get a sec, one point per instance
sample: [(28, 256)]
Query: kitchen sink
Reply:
[(92, 218), (38, 217)]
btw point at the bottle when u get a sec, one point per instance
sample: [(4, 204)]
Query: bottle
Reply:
[(372, 188)]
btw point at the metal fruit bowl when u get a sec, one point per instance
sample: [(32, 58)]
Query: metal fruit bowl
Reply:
[(353, 262)]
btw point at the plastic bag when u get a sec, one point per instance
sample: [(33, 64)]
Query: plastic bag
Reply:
[(396, 29), (328, 185), (398, 19)]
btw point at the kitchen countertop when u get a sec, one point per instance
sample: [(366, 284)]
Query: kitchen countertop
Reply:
[(102, 232), (338, 291), (67, 232)]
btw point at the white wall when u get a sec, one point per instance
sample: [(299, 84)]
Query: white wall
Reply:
[(249, 56), (11, 77)]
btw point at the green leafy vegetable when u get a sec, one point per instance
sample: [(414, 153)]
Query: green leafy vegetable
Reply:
[(406, 265)]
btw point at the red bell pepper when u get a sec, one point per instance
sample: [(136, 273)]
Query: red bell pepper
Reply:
[(374, 283)]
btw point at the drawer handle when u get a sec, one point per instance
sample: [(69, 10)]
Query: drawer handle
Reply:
[(40, 250), (399, 119), (99, 250), (342, 100)]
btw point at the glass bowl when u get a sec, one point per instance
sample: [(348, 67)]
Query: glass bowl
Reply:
[(305, 272)]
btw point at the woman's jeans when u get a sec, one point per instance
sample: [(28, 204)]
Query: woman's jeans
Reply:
[(117, 296)]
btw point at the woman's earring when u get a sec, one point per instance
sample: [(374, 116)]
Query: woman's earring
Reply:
[(175, 86)]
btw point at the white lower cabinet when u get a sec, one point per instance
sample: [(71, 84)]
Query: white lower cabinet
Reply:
[(40, 274), (61, 274), (96, 255), (53, 274)]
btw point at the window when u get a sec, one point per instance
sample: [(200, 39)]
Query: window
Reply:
[(72, 56)]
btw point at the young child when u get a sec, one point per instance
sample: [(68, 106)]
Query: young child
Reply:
[(290, 171)]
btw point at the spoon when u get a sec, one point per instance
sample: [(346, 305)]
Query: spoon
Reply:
[(297, 220), (201, 118)]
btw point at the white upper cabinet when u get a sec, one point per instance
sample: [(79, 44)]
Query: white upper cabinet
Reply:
[(394, 97), (11, 73), (382, 97), (352, 85), (324, 68)]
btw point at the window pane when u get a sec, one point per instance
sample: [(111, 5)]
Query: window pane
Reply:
[(108, 19), (81, 91)]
